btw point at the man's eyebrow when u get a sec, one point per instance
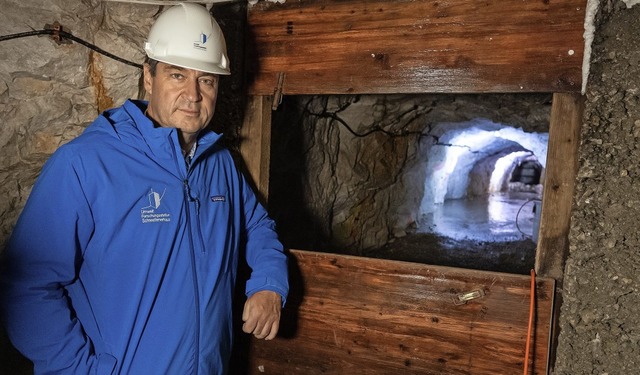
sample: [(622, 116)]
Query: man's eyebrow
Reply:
[(204, 74), (169, 66)]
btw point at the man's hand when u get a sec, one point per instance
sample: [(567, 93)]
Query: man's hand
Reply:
[(261, 314)]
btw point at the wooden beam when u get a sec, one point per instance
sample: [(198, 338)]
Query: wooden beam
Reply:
[(559, 184), (354, 315), (417, 46), (255, 142)]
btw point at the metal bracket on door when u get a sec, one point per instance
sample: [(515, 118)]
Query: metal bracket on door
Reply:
[(277, 92), (462, 298)]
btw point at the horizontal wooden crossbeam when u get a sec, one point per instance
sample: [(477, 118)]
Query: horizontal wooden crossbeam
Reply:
[(415, 46)]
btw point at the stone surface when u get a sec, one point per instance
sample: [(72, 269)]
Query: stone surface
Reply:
[(600, 314), (50, 92)]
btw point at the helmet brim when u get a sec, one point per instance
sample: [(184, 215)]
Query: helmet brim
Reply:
[(202, 66)]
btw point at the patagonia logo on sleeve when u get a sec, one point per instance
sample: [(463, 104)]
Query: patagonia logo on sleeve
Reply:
[(218, 198)]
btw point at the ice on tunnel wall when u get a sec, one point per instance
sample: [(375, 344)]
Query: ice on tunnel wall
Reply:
[(461, 145)]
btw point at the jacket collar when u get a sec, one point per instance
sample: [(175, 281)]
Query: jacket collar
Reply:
[(162, 142)]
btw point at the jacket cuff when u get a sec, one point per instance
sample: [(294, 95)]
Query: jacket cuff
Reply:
[(264, 283)]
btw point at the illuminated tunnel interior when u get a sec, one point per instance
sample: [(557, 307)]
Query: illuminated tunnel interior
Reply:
[(484, 182)]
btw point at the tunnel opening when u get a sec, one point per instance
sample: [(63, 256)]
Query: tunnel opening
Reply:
[(398, 177), (479, 178)]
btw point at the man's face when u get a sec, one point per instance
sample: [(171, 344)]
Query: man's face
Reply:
[(181, 98)]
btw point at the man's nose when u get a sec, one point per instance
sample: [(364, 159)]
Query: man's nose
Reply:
[(192, 91)]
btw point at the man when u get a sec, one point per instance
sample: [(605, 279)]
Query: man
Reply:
[(124, 258)]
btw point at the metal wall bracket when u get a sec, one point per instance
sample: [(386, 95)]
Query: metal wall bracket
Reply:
[(277, 92), (462, 298)]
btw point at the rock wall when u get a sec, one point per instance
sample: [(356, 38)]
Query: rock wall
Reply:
[(600, 315), (49, 92)]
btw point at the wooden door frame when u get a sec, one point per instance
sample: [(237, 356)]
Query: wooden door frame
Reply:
[(559, 186), (281, 36)]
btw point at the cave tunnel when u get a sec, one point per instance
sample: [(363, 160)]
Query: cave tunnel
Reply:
[(484, 183)]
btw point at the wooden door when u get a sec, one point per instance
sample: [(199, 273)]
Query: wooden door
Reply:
[(354, 315)]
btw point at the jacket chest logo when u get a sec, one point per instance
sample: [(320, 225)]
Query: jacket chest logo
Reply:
[(154, 212), (218, 198)]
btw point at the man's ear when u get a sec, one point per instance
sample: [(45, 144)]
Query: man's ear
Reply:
[(147, 78)]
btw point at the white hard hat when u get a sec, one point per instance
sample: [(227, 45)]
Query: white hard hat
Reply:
[(186, 35)]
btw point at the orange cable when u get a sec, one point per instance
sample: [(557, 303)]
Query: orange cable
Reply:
[(531, 313)]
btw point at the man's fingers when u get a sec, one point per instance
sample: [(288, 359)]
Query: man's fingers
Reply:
[(274, 331), (267, 331), (248, 327), (245, 312), (262, 333), (260, 329)]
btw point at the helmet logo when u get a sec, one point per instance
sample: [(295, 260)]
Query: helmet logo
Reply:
[(200, 44)]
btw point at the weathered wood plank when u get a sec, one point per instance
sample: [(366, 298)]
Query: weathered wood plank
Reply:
[(416, 46), (559, 184), (352, 315), (255, 142)]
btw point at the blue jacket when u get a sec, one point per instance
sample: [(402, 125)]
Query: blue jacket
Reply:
[(124, 261)]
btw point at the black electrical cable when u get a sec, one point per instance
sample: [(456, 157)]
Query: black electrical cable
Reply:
[(70, 36), (334, 116), (520, 209)]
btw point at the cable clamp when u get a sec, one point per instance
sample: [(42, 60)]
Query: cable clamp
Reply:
[(56, 28)]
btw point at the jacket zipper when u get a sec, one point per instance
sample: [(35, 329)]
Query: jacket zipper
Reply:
[(198, 227), (189, 200), (194, 273)]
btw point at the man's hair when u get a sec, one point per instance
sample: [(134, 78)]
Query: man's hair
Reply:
[(152, 65)]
